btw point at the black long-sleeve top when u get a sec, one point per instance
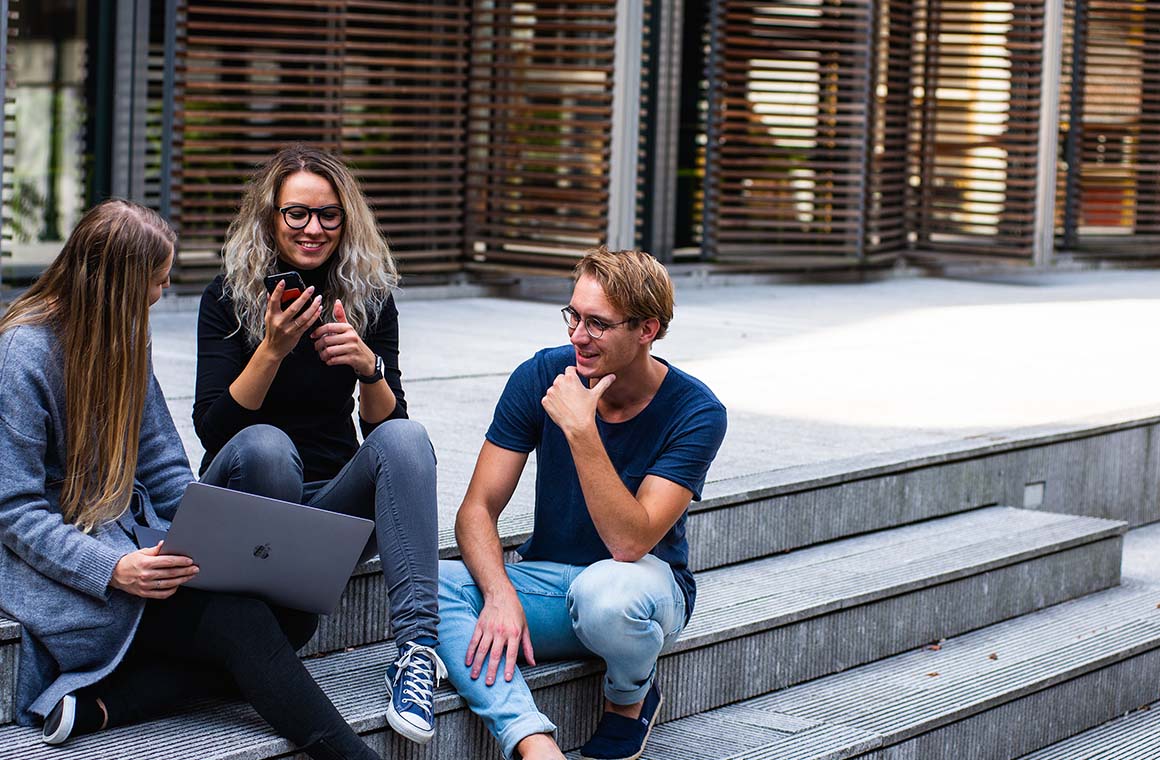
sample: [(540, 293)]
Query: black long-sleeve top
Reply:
[(311, 402)]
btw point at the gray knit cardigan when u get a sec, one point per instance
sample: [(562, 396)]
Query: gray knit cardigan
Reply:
[(54, 578)]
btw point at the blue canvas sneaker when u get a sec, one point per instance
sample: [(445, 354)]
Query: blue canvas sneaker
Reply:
[(412, 681), (621, 738)]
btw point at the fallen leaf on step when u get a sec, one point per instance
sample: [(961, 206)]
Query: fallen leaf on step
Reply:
[(992, 656), (934, 647), (932, 675)]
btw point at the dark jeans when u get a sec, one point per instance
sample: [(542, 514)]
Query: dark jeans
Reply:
[(390, 479), (198, 644)]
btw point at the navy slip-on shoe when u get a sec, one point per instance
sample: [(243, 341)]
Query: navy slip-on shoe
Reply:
[(621, 738)]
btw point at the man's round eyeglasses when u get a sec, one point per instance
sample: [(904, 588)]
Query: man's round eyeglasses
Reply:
[(297, 216), (594, 326)]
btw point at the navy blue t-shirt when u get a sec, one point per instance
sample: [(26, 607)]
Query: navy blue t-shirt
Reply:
[(675, 437)]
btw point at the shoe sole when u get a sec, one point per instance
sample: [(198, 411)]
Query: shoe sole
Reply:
[(404, 728), (64, 728), (643, 744)]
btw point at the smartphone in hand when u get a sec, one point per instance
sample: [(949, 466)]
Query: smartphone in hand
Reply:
[(294, 288)]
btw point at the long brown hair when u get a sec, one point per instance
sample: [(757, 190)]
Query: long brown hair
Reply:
[(363, 274), (95, 297)]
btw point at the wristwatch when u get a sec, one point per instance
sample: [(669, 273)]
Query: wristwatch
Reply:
[(375, 376)]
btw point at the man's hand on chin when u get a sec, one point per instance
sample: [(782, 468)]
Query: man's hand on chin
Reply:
[(571, 404)]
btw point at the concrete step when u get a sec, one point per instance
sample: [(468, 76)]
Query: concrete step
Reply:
[(772, 513), (767, 514), (1064, 468), (9, 659), (759, 626), (1135, 736), (993, 694)]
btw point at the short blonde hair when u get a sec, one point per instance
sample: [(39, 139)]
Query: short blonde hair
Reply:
[(635, 283)]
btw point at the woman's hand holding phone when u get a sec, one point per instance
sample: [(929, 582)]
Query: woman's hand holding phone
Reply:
[(285, 326), (151, 575)]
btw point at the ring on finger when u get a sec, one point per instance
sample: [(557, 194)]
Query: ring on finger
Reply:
[(157, 585)]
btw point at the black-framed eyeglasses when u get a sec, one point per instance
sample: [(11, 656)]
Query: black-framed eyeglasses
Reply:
[(594, 326), (298, 216)]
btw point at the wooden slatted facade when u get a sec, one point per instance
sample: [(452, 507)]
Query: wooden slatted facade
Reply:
[(540, 130), (977, 126), (381, 83), (835, 133), (1110, 199), (788, 146)]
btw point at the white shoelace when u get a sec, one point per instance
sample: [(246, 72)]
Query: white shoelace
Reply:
[(418, 679)]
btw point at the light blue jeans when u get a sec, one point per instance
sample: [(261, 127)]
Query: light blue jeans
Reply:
[(625, 613)]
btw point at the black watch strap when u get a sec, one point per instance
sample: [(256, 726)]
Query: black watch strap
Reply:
[(375, 376)]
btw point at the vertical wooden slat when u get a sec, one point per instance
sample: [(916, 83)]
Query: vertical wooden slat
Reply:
[(155, 135), (10, 12), (888, 172), (1070, 121)]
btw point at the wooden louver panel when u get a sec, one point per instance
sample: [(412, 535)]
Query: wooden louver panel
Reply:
[(8, 137), (540, 130), (977, 118), (888, 174), (155, 96), (1114, 185), (788, 134), (381, 83)]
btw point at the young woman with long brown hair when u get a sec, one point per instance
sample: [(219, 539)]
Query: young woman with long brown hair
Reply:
[(88, 450)]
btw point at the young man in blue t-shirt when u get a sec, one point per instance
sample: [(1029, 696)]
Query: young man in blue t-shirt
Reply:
[(623, 441)]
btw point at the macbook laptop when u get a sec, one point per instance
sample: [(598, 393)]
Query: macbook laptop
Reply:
[(289, 554)]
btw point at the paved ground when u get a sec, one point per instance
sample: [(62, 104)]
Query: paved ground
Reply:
[(809, 373)]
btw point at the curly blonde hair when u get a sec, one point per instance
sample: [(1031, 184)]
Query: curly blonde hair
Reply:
[(363, 274)]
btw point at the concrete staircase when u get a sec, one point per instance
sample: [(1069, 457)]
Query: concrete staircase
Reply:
[(994, 693), (1135, 736), (935, 628)]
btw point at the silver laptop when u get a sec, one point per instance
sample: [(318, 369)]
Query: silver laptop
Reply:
[(289, 554)]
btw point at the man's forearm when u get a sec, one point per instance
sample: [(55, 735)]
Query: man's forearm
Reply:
[(621, 520), (482, 552)]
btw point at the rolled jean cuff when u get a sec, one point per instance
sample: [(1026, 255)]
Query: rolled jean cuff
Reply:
[(524, 726), (629, 697)]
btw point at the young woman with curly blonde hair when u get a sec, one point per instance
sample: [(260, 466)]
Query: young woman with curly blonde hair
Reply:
[(275, 381)]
